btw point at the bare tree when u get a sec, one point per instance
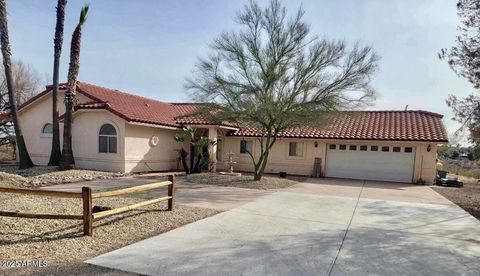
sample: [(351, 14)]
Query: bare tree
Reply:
[(26, 83), (464, 59), (56, 154), (273, 76), (24, 157), (68, 161)]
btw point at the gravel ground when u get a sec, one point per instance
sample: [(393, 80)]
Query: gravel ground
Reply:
[(61, 244), (467, 197), (245, 181), (44, 176)]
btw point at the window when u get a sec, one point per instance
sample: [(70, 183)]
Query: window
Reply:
[(219, 150), (332, 146), (107, 139), (396, 149), (246, 147), (408, 149), (374, 148), (385, 149), (295, 149), (363, 148), (353, 147), (47, 128), (343, 147)]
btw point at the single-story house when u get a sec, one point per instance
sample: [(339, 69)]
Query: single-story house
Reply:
[(118, 131)]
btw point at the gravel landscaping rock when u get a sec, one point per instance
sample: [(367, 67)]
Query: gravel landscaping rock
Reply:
[(267, 182), (39, 176), (61, 244), (467, 197)]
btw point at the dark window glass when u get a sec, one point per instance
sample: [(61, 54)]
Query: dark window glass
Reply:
[(353, 147), (108, 129), (103, 144), (386, 149), (396, 149), (219, 149), (343, 147), (295, 149), (112, 144), (408, 149), (246, 146), (374, 148), (107, 139), (363, 148), (332, 146)]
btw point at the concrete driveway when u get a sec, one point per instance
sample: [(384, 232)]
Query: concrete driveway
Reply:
[(357, 228)]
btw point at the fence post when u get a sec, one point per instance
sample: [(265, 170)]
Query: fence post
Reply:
[(171, 190), (87, 211)]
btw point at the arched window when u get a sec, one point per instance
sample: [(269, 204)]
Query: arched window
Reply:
[(107, 139), (47, 128)]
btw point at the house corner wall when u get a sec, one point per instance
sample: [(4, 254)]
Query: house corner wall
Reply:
[(144, 153)]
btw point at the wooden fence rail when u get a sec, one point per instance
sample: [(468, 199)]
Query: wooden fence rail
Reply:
[(87, 196)]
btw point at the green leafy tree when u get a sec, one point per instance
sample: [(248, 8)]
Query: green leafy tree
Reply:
[(24, 158), (272, 75), (56, 154), (68, 161)]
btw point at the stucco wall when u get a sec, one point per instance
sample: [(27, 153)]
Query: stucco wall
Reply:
[(280, 161), (86, 127), (142, 155), (33, 118)]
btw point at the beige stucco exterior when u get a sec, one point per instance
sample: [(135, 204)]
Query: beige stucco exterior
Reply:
[(279, 159), (138, 151)]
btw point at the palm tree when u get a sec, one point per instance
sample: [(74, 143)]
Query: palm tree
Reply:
[(68, 161), (24, 157), (56, 153)]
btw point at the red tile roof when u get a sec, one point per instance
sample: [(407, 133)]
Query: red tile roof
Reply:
[(408, 125)]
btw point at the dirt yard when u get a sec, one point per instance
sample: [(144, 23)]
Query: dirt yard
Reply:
[(267, 182), (11, 176), (467, 197), (60, 244)]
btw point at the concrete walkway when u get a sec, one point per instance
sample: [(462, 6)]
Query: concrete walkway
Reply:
[(310, 230)]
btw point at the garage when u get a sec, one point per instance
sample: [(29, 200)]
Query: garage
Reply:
[(370, 162)]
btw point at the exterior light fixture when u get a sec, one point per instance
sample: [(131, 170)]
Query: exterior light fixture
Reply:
[(429, 148), (316, 144)]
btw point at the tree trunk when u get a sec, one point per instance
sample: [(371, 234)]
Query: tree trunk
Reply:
[(56, 154), (24, 158), (260, 167), (68, 161)]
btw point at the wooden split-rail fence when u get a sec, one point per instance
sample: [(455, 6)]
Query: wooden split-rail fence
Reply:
[(88, 196)]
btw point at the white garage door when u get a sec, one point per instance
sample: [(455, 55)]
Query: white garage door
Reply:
[(378, 162)]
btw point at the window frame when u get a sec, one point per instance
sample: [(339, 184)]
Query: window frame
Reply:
[(374, 148), (42, 131), (246, 153), (385, 148), (302, 154), (410, 149), (332, 146), (352, 147), (108, 136), (396, 149), (342, 147), (363, 148)]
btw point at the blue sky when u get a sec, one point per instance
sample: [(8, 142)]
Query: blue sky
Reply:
[(150, 47)]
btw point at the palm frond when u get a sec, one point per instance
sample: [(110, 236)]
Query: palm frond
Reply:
[(83, 15)]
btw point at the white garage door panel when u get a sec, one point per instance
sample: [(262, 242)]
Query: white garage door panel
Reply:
[(370, 165)]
